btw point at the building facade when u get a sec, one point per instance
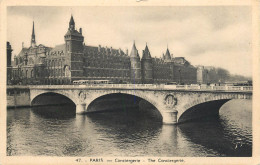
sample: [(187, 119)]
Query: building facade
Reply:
[(73, 60)]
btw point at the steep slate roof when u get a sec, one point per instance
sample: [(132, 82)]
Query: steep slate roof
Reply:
[(58, 49), (73, 32), (23, 51), (181, 60), (134, 52), (146, 53), (72, 20), (167, 55), (103, 50)]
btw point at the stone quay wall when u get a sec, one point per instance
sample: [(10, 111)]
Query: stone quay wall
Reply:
[(18, 97)]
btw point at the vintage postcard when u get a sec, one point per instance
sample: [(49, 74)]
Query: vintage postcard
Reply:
[(130, 82)]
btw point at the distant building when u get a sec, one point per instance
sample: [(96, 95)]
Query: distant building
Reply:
[(73, 60), (9, 62)]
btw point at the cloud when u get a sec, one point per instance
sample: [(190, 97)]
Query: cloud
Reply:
[(203, 35), (235, 62)]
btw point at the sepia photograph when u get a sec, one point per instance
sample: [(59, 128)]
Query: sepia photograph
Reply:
[(129, 84)]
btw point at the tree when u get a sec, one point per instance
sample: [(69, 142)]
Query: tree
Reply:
[(223, 74)]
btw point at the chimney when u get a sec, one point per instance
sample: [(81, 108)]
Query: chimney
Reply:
[(126, 51), (80, 30), (106, 50), (99, 48), (22, 44)]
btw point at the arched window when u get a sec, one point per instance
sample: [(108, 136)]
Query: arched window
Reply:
[(26, 74), (55, 72), (37, 73), (32, 73)]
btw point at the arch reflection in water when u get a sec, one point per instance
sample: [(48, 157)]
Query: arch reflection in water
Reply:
[(121, 133), (55, 112)]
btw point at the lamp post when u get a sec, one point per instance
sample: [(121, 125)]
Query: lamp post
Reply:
[(207, 77), (179, 75)]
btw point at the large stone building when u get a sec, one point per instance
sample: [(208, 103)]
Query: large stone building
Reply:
[(73, 60)]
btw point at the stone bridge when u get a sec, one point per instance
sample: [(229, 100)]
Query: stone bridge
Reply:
[(175, 103)]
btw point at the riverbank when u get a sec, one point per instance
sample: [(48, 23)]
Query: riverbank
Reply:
[(18, 97)]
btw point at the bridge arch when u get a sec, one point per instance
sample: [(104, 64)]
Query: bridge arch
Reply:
[(138, 94), (34, 94), (119, 100), (206, 106), (51, 98), (201, 110)]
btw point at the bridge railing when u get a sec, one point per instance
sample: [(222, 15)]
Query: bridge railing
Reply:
[(144, 86)]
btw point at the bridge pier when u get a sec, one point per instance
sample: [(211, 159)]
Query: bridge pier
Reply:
[(80, 108), (170, 117)]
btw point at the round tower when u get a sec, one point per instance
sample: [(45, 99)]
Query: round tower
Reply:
[(135, 66), (147, 67)]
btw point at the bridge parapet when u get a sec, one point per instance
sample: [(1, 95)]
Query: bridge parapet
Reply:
[(148, 86)]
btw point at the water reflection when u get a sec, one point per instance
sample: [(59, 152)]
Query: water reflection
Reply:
[(213, 135), (55, 112), (57, 131), (120, 131)]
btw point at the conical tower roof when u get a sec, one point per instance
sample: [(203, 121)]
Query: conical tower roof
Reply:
[(146, 53), (134, 51), (72, 20), (167, 55)]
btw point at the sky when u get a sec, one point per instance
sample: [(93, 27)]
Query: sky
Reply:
[(217, 36)]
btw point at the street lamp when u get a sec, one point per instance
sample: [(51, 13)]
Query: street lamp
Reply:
[(179, 75), (207, 77)]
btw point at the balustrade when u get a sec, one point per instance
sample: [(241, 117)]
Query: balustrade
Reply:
[(144, 86)]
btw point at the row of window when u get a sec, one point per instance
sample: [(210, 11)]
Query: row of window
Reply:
[(110, 60), (55, 63), (25, 74), (105, 54), (54, 73), (60, 53), (107, 65), (107, 73)]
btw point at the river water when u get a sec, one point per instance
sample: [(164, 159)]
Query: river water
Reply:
[(58, 131)]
